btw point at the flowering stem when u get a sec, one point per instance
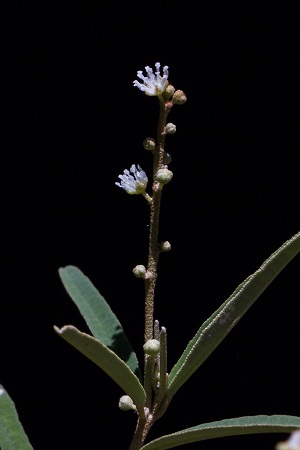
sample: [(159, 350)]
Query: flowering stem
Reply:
[(150, 282), (144, 425)]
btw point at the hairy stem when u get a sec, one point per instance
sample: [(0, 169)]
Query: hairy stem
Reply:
[(141, 432), (144, 424), (149, 365), (153, 255)]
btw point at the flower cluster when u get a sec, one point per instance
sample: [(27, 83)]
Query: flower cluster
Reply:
[(153, 84), (135, 183)]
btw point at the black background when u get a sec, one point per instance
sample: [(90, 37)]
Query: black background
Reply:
[(73, 122)]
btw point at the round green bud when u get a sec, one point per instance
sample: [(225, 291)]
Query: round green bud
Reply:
[(167, 158), (139, 271), (170, 128), (179, 98), (126, 403), (152, 347), (165, 246), (149, 144), (169, 92), (163, 176)]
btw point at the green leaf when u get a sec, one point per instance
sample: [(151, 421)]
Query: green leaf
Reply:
[(98, 315), (108, 361), (12, 434), (227, 427), (221, 322)]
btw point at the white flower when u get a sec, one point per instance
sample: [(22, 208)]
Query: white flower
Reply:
[(133, 184), (294, 440), (153, 84)]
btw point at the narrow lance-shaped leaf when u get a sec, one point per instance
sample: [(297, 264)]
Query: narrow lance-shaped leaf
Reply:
[(227, 427), (108, 361), (214, 330), (12, 434), (98, 315)]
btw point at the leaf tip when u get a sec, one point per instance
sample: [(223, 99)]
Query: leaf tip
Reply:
[(61, 270), (60, 331)]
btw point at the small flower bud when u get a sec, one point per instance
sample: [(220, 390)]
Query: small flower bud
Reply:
[(126, 403), (139, 271), (170, 128), (165, 246), (152, 347), (167, 158), (163, 176), (169, 92), (149, 144), (179, 98)]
